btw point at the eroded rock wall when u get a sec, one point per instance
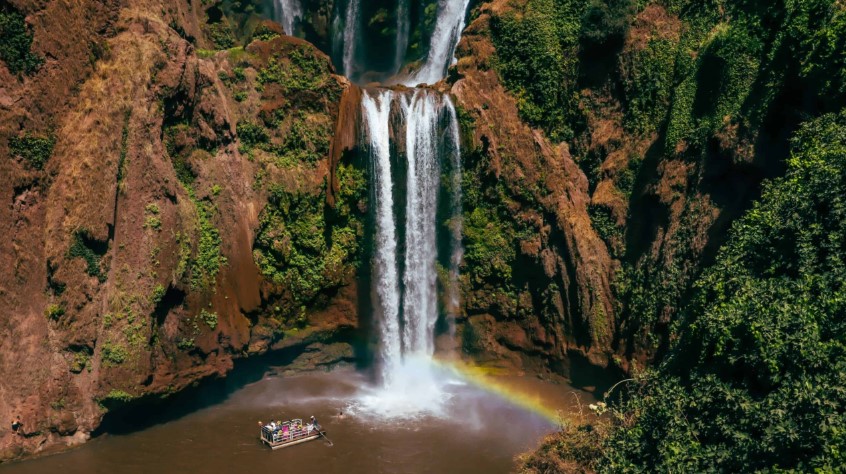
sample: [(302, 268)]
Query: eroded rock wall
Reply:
[(151, 218)]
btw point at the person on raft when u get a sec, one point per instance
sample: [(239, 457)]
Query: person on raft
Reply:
[(314, 423)]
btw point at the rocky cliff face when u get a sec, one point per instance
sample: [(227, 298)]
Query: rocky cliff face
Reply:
[(537, 277), (160, 200)]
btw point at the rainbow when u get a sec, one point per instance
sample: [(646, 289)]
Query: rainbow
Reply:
[(485, 378)]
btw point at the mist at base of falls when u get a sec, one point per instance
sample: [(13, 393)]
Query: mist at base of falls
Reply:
[(417, 389)]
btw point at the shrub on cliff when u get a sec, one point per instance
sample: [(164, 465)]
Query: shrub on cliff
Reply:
[(15, 44), (35, 150), (605, 22)]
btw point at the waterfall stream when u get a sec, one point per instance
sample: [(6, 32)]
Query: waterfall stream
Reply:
[(448, 28), (288, 13), (412, 140), (350, 37), (421, 112), (405, 276), (376, 110)]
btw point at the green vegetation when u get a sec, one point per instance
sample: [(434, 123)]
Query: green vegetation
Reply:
[(158, 293), (221, 35), (208, 258), (251, 135), (307, 138), (16, 43), (152, 219), (200, 264), (754, 379), (308, 246), (604, 22), (54, 312), (81, 361), (35, 150), (208, 317), (86, 249), (300, 69), (113, 354), (185, 343), (490, 245), (605, 226), (264, 33), (153, 222), (117, 397), (492, 236), (749, 376), (537, 58), (647, 76), (714, 91)]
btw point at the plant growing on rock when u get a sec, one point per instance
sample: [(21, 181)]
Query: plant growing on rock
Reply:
[(17, 40)]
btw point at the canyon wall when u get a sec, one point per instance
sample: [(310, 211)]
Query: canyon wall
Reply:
[(174, 201)]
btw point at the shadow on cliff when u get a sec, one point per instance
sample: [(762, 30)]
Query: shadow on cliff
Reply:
[(152, 410)]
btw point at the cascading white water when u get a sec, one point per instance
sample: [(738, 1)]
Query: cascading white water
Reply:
[(420, 300), (350, 36), (288, 13), (406, 313), (448, 28), (376, 110), (405, 294)]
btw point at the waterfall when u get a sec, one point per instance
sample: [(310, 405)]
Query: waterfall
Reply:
[(405, 297), (420, 126), (448, 28), (422, 147), (350, 36), (288, 13), (456, 224), (403, 29), (376, 110)]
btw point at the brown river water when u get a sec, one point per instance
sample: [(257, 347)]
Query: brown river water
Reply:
[(474, 430)]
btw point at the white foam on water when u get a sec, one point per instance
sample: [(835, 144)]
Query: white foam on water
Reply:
[(418, 390)]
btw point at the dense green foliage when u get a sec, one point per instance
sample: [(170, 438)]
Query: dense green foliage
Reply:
[(209, 317), (15, 44), (35, 150), (301, 69), (221, 35), (309, 246), (208, 258), (498, 218), (113, 354), (757, 378), (537, 57), (723, 89), (752, 375)]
